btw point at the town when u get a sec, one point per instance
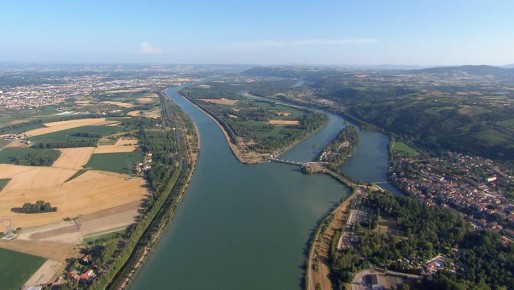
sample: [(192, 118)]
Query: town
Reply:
[(50, 88), (475, 186)]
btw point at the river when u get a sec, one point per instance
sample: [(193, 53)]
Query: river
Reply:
[(247, 226)]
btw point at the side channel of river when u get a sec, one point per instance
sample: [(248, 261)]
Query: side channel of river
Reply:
[(246, 226)]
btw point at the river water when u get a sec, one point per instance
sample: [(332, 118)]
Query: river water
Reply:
[(247, 226)]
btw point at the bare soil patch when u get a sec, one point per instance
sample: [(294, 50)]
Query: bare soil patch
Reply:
[(284, 122), (285, 114), (108, 220), (221, 101), (64, 125), (73, 158)]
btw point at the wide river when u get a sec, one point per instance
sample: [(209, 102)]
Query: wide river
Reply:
[(247, 226)]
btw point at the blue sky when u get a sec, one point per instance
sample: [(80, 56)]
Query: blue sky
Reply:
[(326, 32)]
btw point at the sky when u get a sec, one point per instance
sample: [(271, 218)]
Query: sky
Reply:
[(322, 32)]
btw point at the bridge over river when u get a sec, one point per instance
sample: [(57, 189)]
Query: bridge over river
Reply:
[(320, 167)]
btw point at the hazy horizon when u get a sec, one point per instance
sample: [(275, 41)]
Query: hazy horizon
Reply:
[(342, 33)]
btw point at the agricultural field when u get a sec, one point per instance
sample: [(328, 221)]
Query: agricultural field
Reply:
[(94, 132), (29, 156), (74, 158), (115, 162), (402, 148), (16, 268), (3, 183), (65, 125), (90, 192)]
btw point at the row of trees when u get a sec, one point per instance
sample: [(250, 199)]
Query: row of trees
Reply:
[(70, 142)]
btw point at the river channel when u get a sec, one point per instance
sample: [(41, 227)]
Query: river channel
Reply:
[(247, 226)]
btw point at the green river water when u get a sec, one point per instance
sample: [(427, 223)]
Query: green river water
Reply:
[(247, 226)]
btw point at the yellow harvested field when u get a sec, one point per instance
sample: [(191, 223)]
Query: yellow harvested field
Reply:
[(91, 192), (284, 122), (65, 125), (155, 114), (146, 100), (119, 104), (29, 177), (124, 142), (115, 149), (221, 101), (73, 158)]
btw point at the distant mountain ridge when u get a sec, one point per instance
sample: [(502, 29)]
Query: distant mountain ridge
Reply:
[(479, 70)]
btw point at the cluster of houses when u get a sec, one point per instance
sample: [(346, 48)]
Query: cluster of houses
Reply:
[(83, 277), (472, 185), (145, 165), (12, 137)]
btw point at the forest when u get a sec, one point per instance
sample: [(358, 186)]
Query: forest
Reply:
[(341, 147)]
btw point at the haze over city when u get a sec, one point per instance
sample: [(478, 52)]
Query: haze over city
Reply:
[(425, 33)]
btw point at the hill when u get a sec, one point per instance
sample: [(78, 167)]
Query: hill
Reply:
[(477, 70)]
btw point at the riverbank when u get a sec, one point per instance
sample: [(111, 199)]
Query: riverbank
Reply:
[(318, 262)]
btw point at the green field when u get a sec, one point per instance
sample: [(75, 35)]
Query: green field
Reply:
[(9, 155), (3, 143), (65, 134), (105, 237), (3, 183), (403, 148), (16, 268), (21, 128), (115, 162)]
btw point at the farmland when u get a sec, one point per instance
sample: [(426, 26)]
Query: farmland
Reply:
[(402, 148), (115, 162), (3, 183), (29, 156), (16, 268)]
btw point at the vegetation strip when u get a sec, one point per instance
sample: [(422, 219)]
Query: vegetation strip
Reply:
[(168, 191)]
